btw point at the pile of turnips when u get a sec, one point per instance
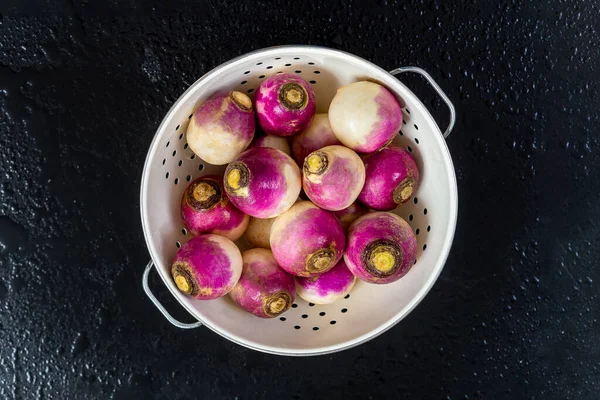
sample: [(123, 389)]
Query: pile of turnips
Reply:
[(314, 246)]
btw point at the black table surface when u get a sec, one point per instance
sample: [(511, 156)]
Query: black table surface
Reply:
[(514, 314)]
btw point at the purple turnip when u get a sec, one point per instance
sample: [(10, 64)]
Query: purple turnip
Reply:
[(392, 178), (332, 177), (207, 266), (264, 289), (206, 209), (285, 104), (316, 136), (222, 127), (327, 287), (382, 247), (263, 182), (274, 142), (259, 232), (349, 214), (364, 116), (306, 240)]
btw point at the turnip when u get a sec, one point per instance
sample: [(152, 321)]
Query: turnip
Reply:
[(306, 240), (263, 182), (259, 231), (285, 104), (349, 214), (264, 289), (207, 266), (332, 177), (392, 178), (364, 116), (327, 287), (274, 142), (206, 209), (222, 127), (382, 247), (316, 136)]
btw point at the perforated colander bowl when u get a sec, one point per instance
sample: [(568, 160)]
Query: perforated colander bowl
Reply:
[(305, 329)]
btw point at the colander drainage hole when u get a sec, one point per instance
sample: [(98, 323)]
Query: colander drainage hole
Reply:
[(180, 163), (417, 231), (347, 296), (174, 152), (188, 178), (243, 82), (261, 77), (416, 141), (278, 58), (270, 67), (409, 148), (404, 121), (296, 58), (311, 304), (250, 90), (322, 313), (304, 316), (164, 161), (282, 318), (288, 65), (190, 117), (185, 146), (167, 176), (259, 63), (315, 328), (192, 156), (298, 71), (424, 211), (416, 127), (201, 167), (415, 200), (424, 247), (176, 181), (407, 111), (246, 73), (401, 133), (333, 322), (168, 143), (181, 136), (311, 63), (317, 72), (313, 82), (297, 327), (177, 127), (184, 231), (410, 217), (294, 305), (344, 310), (428, 228), (178, 244)]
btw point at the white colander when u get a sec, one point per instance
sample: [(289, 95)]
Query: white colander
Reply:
[(305, 329)]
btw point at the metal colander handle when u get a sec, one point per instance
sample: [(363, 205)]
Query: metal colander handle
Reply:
[(160, 307), (437, 88)]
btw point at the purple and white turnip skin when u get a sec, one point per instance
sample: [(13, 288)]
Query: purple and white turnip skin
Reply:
[(364, 116), (258, 232), (206, 209), (382, 247), (306, 240), (264, 289), (274, 142), (392, 178), (263, 182), (349, 214), (316, 136), (222, 127), (285, 104), (327, 287), (333, 177), (207, 266)]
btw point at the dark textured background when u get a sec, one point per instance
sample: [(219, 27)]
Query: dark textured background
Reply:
[(515, 312)]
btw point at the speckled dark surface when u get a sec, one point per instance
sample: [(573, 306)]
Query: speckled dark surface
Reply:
[(515, 312)]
